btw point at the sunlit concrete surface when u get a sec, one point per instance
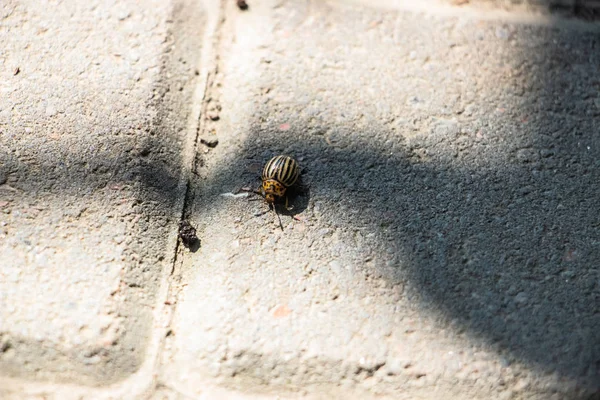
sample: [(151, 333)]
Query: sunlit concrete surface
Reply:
[(92, 112)]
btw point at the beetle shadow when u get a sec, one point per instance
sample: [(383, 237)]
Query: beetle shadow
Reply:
[(298, 197)]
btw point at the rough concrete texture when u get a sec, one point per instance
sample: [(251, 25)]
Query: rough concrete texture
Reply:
[(446, 246), (93, 107)]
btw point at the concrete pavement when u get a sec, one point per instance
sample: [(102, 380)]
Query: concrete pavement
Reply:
[(93, 125), (446, 247)]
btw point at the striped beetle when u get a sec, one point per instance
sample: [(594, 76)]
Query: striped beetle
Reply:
[(278, 175)]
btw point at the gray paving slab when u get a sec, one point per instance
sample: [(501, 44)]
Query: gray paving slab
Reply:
[(448, 244), (93, 120)]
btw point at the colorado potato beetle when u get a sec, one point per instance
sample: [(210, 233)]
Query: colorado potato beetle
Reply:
[(278, 175)]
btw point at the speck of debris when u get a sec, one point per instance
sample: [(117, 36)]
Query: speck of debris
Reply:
[(16, 71), (242, 5), (187, 233), (212, 143)]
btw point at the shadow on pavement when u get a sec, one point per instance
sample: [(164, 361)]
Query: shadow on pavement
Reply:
[(505, 255), (491, 222)]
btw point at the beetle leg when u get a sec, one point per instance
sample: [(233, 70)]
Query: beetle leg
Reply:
[(278, 217)]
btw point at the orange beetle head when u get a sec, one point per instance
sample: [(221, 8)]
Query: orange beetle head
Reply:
[(272, 188)]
